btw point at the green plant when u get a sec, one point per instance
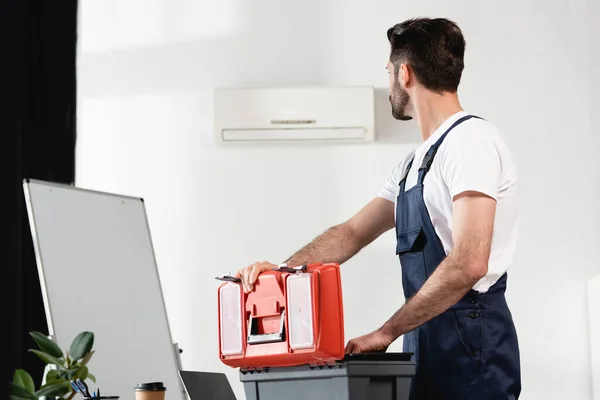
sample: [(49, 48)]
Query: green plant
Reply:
[(65, 367)]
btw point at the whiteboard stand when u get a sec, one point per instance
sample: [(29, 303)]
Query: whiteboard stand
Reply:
[(178, 352), (98, 273)]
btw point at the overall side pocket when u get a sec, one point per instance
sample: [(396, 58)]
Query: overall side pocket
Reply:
[(469, 329)]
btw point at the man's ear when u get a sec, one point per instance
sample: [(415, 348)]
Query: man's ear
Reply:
[(405, 76)]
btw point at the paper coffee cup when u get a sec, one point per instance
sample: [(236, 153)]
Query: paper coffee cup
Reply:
[(150, 391)]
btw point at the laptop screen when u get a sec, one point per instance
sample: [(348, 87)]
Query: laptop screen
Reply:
[(207, 385)]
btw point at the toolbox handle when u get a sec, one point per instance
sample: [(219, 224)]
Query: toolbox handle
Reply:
[(281, 268), (228, 278), (291, 270), (257, 338)]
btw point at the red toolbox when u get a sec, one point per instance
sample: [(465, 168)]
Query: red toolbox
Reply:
[(294, 316)]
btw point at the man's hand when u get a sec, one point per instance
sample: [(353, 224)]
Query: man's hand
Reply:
[(249, 275), (374, 342)]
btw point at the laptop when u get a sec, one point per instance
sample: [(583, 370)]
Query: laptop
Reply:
[(206, 385)]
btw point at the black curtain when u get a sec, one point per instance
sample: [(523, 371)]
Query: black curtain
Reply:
[(37, 140)]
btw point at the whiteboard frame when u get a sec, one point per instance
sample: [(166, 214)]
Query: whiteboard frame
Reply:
[(40, 268)]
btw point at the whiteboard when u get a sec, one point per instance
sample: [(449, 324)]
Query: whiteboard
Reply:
[(98, 273)]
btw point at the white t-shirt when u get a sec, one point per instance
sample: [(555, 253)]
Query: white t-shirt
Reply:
[(472, 157)]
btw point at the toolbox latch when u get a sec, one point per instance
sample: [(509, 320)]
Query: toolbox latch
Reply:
[(324, 365), (252, 370), (260, 338)]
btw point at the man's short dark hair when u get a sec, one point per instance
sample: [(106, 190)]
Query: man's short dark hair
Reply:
[(434, 49)]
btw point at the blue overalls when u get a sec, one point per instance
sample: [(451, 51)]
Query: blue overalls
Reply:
[(471, 350)]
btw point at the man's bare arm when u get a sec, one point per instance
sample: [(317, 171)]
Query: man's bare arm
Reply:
[(340, 243), (473, 222)]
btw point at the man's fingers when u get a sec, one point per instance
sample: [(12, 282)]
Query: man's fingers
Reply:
[(254, 272), (246, 280), (249, 275), (244, 276), (349, 347)]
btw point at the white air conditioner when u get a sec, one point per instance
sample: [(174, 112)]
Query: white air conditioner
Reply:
[(295, 114)]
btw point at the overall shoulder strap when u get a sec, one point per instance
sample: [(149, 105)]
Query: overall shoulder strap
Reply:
[(402, 183), (428, 159)]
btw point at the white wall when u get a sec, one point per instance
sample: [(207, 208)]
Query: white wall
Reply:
[(146, 74)]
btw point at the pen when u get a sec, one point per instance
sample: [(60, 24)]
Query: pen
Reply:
[(84, 388), (75, 387)]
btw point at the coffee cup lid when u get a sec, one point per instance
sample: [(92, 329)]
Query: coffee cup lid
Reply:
[(156, 386)]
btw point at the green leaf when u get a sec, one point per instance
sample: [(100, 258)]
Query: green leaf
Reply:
[(46, 345), (48, 359), (82, 373), (63, 374), (87, 357), (81, 345), (19, 393), (52, 375), (55, 381), (55, 388), (71, 373), (23, 379), (92, 377)]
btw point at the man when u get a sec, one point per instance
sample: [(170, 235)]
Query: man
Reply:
[(453, 204)]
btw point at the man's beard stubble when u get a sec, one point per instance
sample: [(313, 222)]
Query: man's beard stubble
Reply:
[(399, 104)]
